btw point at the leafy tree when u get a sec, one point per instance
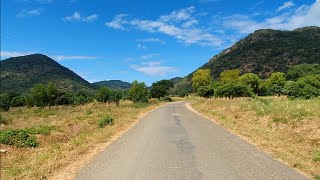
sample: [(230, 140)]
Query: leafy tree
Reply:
[(229, 76), (18, 101), (295, 72), (232, 90), (161, 88), (251, 80), (201, 78), (138, 92), (300, 89), (313, 80), (65, 98), (206, 91), (5, 102), (116, 96), (103, 94), (52, 94), (39, 94), (277, 78)]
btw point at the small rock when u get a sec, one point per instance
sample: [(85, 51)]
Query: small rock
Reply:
[(3, 151)]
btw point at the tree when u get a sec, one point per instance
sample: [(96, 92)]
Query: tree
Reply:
[(52, 94), (161, 88), (229, 76), (39, 95), (103, 94), (5, 102), (115, 96), (251, 80), (232, 90), (297, 71), (18, 101), (138, 92), (300, 89), (202, 77), (206, 91), (275, 83)]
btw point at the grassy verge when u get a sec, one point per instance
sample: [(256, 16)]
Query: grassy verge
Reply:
[(287, 129), (65, 134)]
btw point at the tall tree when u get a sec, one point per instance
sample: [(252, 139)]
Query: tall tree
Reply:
[(229, 76), (201, 78), (138, 92)]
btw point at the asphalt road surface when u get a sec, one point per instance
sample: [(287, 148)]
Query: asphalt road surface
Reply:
[(175, 143)]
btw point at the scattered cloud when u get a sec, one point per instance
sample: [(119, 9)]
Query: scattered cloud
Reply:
[(76, 16), (141, 46), (8, 54), (302, 16), (179, 24), (148, 56), (153, 68), (285, 5), (28, 13), (117, 22), (151, 40)]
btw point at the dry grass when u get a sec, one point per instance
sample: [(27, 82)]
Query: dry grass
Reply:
[(287, 129), (78, 134)]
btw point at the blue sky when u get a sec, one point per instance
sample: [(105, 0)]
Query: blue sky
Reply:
[(140, 40)]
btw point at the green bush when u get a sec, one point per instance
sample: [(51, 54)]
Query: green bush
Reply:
[(232, 90), (317, 156), (301, 89), (18, 138), (206, 91), (5, 102), (138, 93), (108, 120), (45, 130), (166, 98), (4, 120), (18, 101), (103, 94)]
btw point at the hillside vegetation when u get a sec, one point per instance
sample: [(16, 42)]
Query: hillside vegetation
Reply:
[(263, 52), (113, 84), (20, 74)]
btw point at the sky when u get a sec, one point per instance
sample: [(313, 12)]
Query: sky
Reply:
[(141, 40)]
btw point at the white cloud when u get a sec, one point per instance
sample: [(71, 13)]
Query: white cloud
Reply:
[(153, 68), (178, 24), (28, 13), (285, 5), (151, 40), (8, 54), (62, 57), (117, 22), (141, 46), (148, 56), (300, 17), (76, 16)]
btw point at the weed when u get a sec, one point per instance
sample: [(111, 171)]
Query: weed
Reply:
[(317, 177), (44, 129), (279, 119), (107, 120), (317, 156), (18, 138), (4, 120), (88, 112)]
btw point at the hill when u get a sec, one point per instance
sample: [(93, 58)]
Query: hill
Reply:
[(265, 51), (19, 74), (113, 84)]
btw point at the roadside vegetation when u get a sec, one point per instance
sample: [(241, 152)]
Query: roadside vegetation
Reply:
[(279, 114), (46, 129)]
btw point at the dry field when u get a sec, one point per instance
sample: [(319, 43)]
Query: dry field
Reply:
[(73, 136), (289, 130)]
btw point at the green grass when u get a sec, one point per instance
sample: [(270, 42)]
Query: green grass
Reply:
[(317, 156)]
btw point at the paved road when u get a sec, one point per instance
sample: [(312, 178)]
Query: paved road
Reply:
[(175, 143)]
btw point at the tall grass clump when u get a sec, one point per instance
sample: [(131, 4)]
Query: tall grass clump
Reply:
[(107, 120)]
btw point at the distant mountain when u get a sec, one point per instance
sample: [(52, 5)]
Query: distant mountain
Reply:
[(175, 79), (113, 84), (19, 74), (265, 51)]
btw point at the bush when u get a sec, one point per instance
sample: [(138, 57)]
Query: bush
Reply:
[(166, 98), (5, 102), (206, 91), (161, 88), (108, 120), (317, 156), (232, 90), (301, 89), (4, 121), (18, 101), (18, 138), (103, 94)]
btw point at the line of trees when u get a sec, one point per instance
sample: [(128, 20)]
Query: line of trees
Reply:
[(301, 81), (50, 95)]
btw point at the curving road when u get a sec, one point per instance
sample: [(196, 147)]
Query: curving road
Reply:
[(175, 143)]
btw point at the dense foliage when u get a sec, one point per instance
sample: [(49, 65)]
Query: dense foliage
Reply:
[(138, 93), (161, 88), (114, 84)]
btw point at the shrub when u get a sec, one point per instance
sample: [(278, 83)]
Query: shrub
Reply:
[(108, 120), (317, 156), (4, 120), (161, 88), (301, 89), (18, 138), (166, 98), (5, 102), (18, 101), (206, 91), (232, 90), (103, 94)]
